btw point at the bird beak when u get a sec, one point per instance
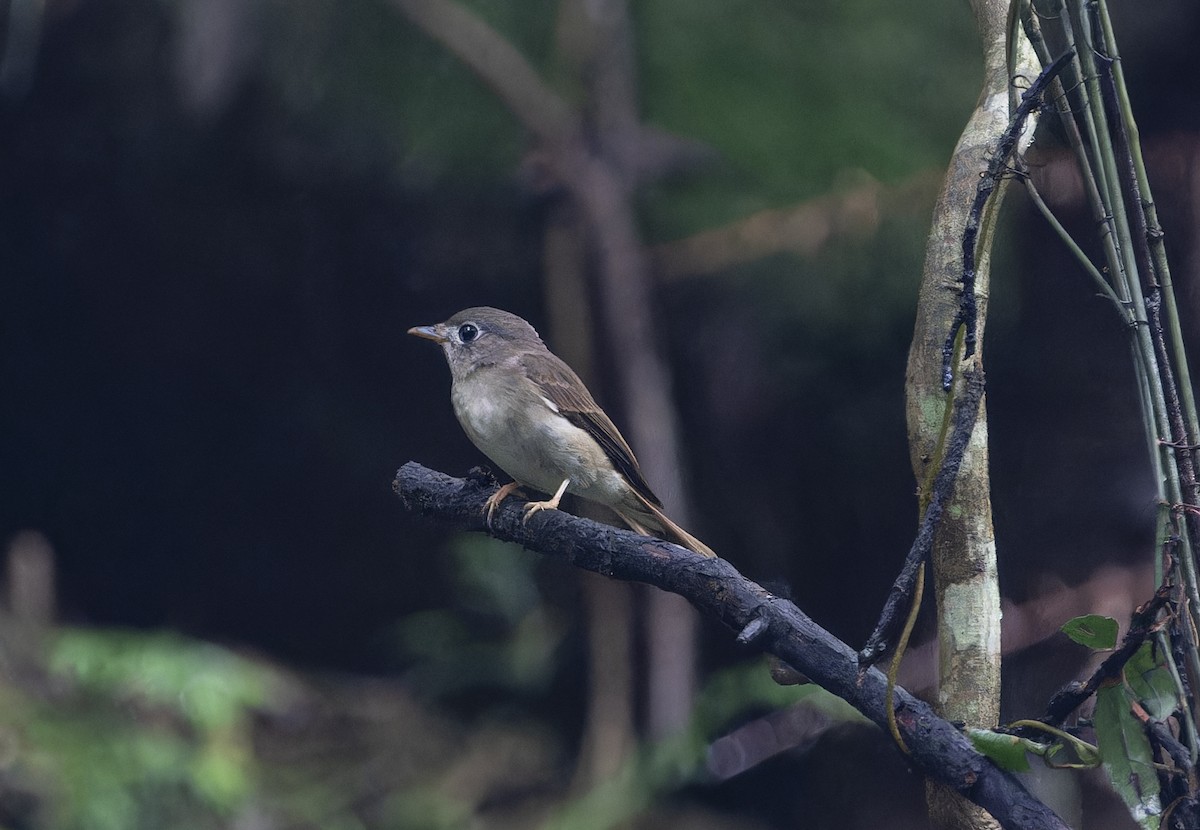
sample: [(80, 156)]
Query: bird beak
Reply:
[(436, 333)]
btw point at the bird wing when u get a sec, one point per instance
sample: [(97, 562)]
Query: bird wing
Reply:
[(563, 388)]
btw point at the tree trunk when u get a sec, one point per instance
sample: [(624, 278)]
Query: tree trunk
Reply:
[(964, 554)]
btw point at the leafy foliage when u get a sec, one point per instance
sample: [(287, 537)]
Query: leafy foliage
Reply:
[(1127, 757), (792, 96), (1150, 683), (1145, 687), (498, 633), (142, 730), (1092, 630)]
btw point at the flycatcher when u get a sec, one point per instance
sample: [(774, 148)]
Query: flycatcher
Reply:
[(532, 416)]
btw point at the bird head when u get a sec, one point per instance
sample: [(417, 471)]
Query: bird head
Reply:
[(479, 336)]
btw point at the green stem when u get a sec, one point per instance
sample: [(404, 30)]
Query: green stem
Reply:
[(1072, 246), (1124, 267), (1157, 246), (1098, 158), (1118, 192), (1088, 171), (1189, 723)]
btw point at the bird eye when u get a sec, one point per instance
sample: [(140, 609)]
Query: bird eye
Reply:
[(467, 332)]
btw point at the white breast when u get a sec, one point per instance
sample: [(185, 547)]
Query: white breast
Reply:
[(539, 448)]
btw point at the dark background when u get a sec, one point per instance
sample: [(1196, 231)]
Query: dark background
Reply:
[(208, 385), (209, 264)]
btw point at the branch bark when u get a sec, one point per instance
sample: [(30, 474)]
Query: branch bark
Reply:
[(716, 589)]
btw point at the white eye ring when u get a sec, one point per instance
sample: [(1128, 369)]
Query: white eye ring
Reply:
[(468, 332)]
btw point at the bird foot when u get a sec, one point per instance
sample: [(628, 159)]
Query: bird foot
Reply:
[(493, 502), (535, 506), (551, 504)]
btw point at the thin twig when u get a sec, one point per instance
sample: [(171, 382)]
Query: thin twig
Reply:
[(1082, 258), (966, 408), (965, 319), (1091, 186)]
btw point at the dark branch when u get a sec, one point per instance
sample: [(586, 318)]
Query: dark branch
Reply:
[(966, 411), (965, 318), (716, 588)]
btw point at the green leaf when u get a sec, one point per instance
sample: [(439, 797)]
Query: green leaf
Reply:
[(1092, 630), (1008, 751), (1151, 683), (1126, 755)]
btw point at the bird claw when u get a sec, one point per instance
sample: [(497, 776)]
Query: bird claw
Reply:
[(536, 506), (494, 500), (551, 504)]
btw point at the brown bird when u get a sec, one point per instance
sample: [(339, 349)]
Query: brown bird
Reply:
[(532, 416)]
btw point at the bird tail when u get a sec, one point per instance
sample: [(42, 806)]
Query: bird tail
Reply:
[(650, 520)]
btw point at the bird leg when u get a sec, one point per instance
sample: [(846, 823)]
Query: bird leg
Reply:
[(552, 504), (495, 498)]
